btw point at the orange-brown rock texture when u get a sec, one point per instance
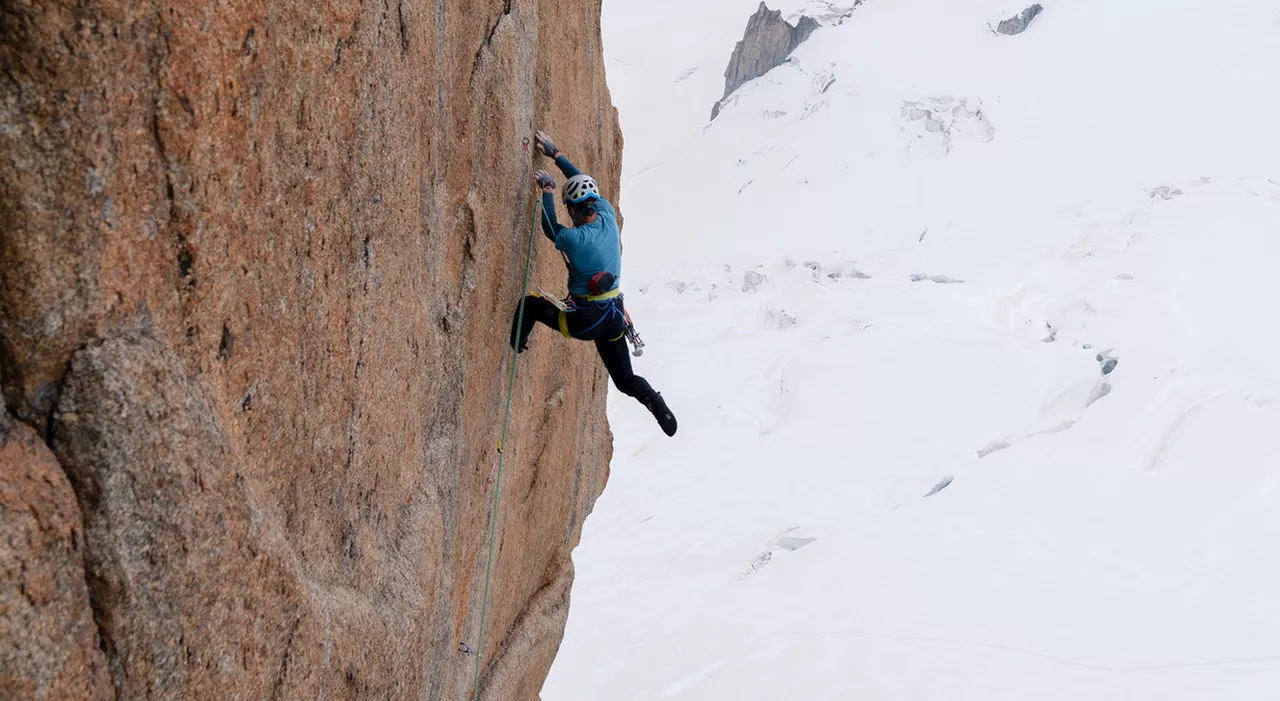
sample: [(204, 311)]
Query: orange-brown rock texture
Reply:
[(257, 265)]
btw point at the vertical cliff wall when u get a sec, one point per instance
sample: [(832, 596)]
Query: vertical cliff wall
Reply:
[(257, 261)]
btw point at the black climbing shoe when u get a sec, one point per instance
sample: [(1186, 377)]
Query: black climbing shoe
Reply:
[(665, 418)]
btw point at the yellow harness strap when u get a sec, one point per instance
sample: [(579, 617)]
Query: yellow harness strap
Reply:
[(608, 295)]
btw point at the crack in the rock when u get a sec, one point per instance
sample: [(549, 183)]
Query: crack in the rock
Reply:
[(469, 256), (404, 27), (554, 590), (544, 432), (185, 253), (277, 688), (86, 494), (488, 39)]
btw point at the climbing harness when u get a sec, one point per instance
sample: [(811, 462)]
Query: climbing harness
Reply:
[(502, 443), (608, 304)]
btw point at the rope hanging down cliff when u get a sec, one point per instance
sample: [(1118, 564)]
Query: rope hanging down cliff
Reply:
[(502, 443), (592, 250)]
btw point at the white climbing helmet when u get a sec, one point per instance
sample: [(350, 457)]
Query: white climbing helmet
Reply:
[(580, 188)]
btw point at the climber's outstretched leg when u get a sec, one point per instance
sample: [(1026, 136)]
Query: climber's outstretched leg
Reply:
[(536, 309), (618, 362)]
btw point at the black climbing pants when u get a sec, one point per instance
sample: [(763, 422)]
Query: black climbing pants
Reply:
[(603, 323)]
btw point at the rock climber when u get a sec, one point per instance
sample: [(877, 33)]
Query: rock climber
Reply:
[(592, 248)]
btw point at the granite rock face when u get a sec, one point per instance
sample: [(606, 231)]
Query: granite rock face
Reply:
[(257, 261), (48, 642)]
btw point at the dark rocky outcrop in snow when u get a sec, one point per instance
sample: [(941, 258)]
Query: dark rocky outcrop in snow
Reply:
[(941, 485), (768, 41), (1108, 362), (1018, 23)]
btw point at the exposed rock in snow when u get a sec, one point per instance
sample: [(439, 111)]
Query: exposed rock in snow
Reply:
[(1018, 23), (941, 485), (766, 44), (1165, 192)]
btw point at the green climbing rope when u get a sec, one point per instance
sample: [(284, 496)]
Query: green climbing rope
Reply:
[(502, 444)]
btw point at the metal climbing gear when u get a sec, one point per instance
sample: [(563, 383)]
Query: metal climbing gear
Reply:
[(564, 305), (634, 337)]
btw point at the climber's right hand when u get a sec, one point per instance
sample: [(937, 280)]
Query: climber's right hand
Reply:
[(546, 146), (545, 181)]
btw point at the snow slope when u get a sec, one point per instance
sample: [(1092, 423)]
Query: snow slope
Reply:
[(899, 265)]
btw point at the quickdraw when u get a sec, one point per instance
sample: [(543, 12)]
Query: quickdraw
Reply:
[(565, 305), (632, 336)]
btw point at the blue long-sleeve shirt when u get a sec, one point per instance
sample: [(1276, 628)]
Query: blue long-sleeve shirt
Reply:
[(590, 248)]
